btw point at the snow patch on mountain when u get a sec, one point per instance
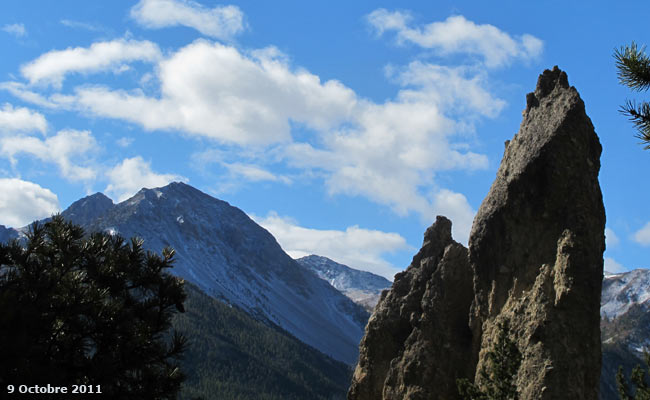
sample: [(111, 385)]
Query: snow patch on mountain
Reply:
[(622, 291), (364, 288)]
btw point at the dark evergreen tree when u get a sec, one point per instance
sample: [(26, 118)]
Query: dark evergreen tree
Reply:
[(90, 310), (496, 378), (641, 389), (634, 72)]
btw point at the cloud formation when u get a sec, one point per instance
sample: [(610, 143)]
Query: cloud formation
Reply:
[(220, 22), (255, 101), (51, 67), (22, 202), (20, 120), (612, 266), (133, 174), (356, 247), (457, 35), (642, 236), (67, 149), (254, 173), (388, 152), (611, 240), (18, 30), (215, 91)]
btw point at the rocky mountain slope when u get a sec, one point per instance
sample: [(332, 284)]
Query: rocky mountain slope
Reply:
[(623, 291), (228, 256), (534, 263), (362, 287), (625, 325)]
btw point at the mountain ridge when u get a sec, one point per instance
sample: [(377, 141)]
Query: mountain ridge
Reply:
[(224, 252)]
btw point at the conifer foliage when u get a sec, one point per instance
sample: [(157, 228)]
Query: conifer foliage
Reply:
[(641, 389), (633, 66), (90, 310), (496, 379)]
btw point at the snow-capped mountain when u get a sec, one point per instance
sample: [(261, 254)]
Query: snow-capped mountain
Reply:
[(221, 250), (625, 309), (624, 325), (622, 291), (362, 287)]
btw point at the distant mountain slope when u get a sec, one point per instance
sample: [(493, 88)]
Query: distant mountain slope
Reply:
[(362, 287), (6, 234), (232, 356), (624, 326), (622, 291), (230, 257)]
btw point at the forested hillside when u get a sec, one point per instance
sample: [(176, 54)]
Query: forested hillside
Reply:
[(232, 356)]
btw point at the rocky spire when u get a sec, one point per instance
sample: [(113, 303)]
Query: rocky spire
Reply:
[(534, 261)]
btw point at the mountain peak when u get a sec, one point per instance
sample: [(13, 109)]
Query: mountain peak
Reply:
[(230, 257), (88, 209), (175, 190)]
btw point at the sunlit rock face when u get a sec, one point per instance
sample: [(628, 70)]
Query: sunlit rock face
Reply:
[(535, 261)]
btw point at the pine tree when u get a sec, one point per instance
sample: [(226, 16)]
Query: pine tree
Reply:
[(633, 66), (638, 377), (90, 310), (497, 376)]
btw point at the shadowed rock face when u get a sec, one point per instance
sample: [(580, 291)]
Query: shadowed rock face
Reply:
[(417, 340), (534, 260)]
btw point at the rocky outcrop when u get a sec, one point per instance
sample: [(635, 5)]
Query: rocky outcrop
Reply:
[(534, 262), (417, 341)]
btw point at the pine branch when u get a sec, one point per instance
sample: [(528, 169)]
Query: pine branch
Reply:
[(633, 67), (640, 117)]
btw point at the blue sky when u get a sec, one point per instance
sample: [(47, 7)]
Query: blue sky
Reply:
[(341, 127)]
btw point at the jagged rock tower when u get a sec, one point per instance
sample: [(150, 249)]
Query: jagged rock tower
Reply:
[(535, 261)]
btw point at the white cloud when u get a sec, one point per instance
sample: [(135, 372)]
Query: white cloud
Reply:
[(612, 266), (455, 207), (458, 90), (66, 149), (392, 151), (642, 236), (356, 247), (124, 141), (133, 174), (23, 92), (388, 152), (17, 30), (457, 35), (254, 173), (611, 240), (215, 91), (51, 67), (93, 27), (22, 202), (20, 120), (221, 22)]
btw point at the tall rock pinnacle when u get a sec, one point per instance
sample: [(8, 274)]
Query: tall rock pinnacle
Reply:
[(535, 262)]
